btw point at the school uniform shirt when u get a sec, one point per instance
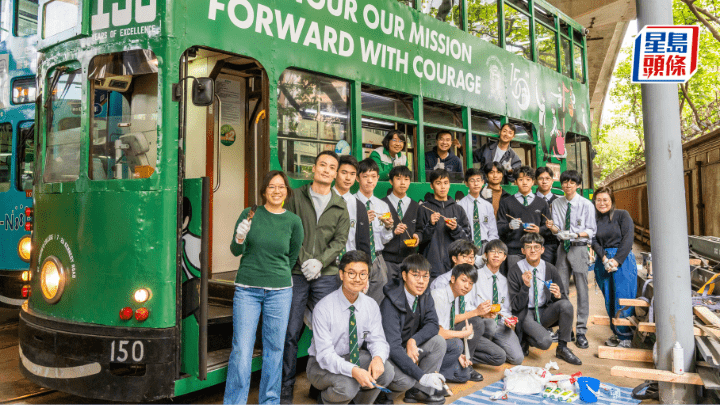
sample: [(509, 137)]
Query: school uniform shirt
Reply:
[(396, 250), (350, 201), (381, 234), (486, 215), (484, 289), (331, 329), (532, 214), (443, 298), (525, 266), (549, 198), (582, 216), (519, 197), (473, 299)]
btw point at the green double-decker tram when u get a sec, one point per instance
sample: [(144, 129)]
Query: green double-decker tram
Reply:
[(157, 119)]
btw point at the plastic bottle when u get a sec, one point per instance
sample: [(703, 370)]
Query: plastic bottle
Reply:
[(678, 359)]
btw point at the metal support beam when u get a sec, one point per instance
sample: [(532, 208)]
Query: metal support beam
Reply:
[(668, 228)]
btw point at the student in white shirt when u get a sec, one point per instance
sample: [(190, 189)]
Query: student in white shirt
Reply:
[(359, 235), (480, 213), (544, 179), (381, 229), (575, 225), (342, 323)]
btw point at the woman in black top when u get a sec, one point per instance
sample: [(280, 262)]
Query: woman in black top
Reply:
[(615, 266)]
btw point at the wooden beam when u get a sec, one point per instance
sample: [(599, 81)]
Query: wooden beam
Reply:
[(656, 375), (600, 320), (633, 302), (619, 353), (643, 326), (707, 316), (695, 262)]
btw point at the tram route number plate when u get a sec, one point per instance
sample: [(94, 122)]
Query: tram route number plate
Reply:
[(123, 351)]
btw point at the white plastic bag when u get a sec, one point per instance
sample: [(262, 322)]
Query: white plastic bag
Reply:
[(526, 380)]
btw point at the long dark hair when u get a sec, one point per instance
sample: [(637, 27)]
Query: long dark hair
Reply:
[(608, 191), (266, 183)]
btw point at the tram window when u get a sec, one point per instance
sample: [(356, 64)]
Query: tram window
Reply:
[(374, 131), (23, 90), (26, 15), (64, 135), (59, 16), (313, 116), (517, 32), (444, 10), (577, 158), (565, 56), (578, 60), (25, 156), (6, 136), (483, 20), (546, 46), (390, 106), (449, 117), (123, 129)]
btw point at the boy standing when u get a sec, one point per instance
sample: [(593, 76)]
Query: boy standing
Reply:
[(326, 224), (411, 329), (574, 224), (538, 306), (359, 235), (544, 179), (404, 213), (440, 221), (380, 229), (480, 213), (343, 322)]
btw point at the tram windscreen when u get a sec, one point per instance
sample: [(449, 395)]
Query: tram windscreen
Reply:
[(123, 133), (6, 134), (25, 156), (26, 18), (62, 148)]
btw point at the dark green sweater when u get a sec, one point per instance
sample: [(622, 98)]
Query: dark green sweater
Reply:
[(270, 249)]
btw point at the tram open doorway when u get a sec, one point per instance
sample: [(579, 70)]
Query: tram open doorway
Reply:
[(226, 144)]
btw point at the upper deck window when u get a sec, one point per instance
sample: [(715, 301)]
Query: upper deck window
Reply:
[(517, 31), (313, 116), (444, 10), (483, 20), (23, 90), (124, 123), (26, 17), (6, 135), (59, 16), (64, 134)]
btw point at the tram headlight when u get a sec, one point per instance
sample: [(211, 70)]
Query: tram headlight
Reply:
[(24, 248), (52, 279), (141, 295)]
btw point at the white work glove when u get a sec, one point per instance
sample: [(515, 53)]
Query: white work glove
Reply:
[(439, 165), (433, 380), (563, 235), (506, 165), (311, 269), (242, 230), (572, 235), (479, 261), (515, 224), (486, 192)]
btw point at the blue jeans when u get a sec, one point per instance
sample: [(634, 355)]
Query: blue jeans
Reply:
[(248, 304)]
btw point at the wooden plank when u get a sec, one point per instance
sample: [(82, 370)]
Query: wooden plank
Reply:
[(707, 316), (619, 353), (656, 375), (650, 327), (600, 320), (629, 302), (695, 262)]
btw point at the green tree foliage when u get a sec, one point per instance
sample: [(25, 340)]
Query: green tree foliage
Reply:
[(620, 141), (483, 20)]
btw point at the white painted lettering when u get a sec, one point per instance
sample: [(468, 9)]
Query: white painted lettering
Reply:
[(369, 8), (242, 24), (330, 39), (145, 14), (350, 10), (289, 24), (121, 17), (101, 20), (346, 39), (402, 61), (368, 52), (313, 36), (399, 27), (335, 11), (418, 59), (264, 19)]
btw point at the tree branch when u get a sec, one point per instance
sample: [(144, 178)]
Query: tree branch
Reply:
[(705, 22), (708, 14), (692, 105)]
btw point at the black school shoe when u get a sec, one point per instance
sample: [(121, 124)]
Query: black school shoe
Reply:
[(414, 396), (525, 348), (475, 376), (564, 353), (286, 394), (383, 399), (582, 341), (313, 393)]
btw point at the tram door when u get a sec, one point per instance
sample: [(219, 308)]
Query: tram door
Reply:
[(227, 143)]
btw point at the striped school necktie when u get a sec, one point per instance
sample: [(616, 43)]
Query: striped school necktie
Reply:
[(372, 236), (477, 231), (566, 243), (354, 349), (535, 296)]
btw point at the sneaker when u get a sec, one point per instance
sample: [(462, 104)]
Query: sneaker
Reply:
[(626, 344), (612, 341)]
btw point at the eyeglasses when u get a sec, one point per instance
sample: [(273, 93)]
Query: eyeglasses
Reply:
[(396, 140), (417, 275), (276, 188), (468, 256), (496, 252), (532, 248), (352, 275)]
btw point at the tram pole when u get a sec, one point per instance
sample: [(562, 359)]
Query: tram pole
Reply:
[(668, 227)]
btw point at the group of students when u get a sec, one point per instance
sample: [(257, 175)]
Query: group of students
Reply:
[(386, 318)]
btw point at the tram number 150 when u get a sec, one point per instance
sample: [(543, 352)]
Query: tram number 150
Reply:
[(124, 350)]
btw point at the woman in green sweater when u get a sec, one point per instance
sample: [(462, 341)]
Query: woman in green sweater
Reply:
[(269, 241), (390, 154)]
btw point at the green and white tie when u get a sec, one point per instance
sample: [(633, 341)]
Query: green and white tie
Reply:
[(399, 210), (462, 304), (415, 304), (477, 231), (372, 236), (535, 296), (452, 314), (495, 299), (352, 334), (566, 243), (525, 200)]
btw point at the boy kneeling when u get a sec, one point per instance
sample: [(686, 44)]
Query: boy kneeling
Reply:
[(537, 305), (342, 322)]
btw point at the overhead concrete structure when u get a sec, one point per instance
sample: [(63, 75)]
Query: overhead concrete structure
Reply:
[(607, 21)]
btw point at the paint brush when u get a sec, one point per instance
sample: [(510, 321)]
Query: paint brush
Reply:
[(381, 388)]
